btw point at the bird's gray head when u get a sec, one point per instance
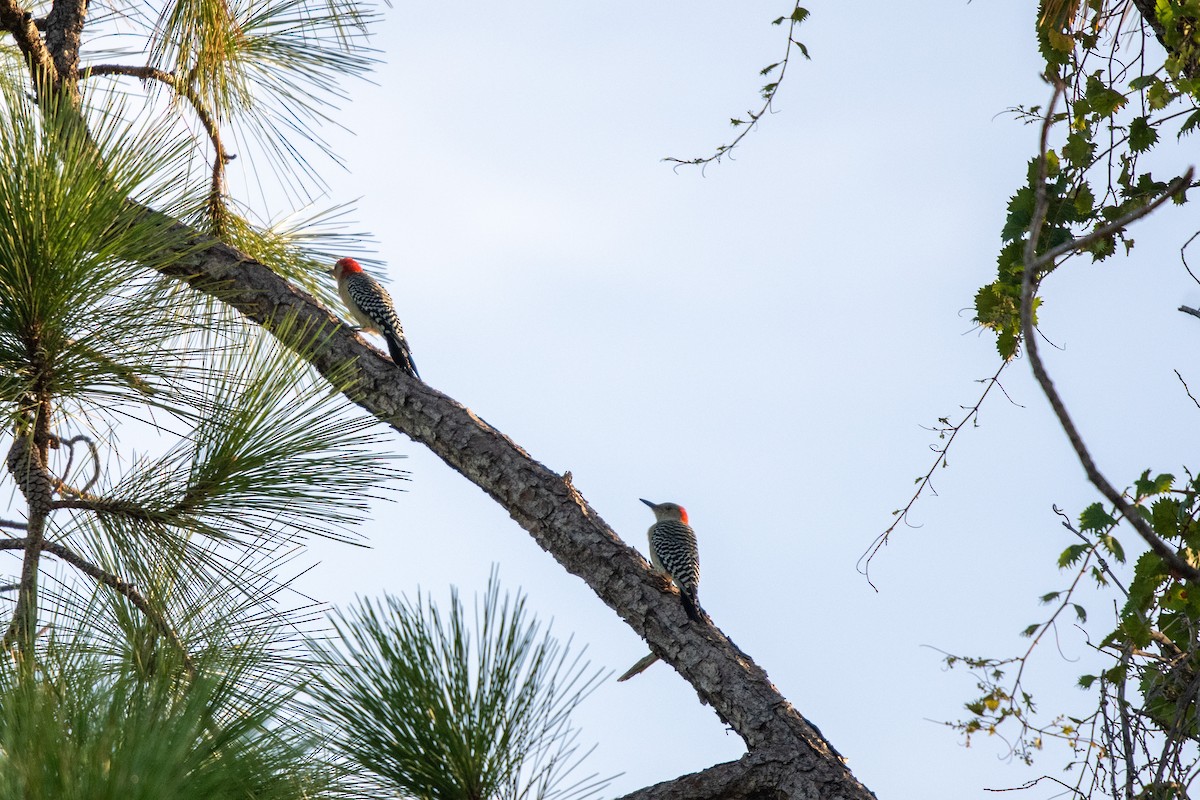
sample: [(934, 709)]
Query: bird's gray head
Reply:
[(668, 512)]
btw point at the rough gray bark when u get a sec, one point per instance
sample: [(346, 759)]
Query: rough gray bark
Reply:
[(787, 757)]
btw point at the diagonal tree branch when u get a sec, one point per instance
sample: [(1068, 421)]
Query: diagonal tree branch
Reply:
[(1032, 274), (541, 501), (753, 777)]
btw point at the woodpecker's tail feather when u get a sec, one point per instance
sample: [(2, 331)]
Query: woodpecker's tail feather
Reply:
[(398, 348), (691, 605)]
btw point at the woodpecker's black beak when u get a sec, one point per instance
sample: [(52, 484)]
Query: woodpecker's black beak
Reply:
[(647, 502)]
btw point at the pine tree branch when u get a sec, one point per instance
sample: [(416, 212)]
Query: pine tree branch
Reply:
[(541, 501), (126, 590), (20, 24), (106, 505), (184, 89)]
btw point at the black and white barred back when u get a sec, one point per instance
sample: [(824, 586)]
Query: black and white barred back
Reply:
[(364, 294), (673, 550)]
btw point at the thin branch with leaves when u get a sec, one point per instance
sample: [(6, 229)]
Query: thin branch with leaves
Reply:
[(767, 92)]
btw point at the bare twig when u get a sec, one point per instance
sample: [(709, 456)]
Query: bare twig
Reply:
[(63, 488), (1189, 310), (1183, 258), (1033, 264), (13, 526), (101, 505), (638, 668), (1126, 725), (1186, 389), (901, 515), (1031, 783)]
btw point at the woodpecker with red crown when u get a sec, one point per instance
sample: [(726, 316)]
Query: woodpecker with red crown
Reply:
[(673, 550), (371, 306)]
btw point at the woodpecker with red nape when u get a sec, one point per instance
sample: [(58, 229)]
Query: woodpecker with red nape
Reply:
[(371, 306), (673, 550)]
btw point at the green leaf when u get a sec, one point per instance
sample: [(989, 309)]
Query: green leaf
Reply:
[(77, 259), (1110, 543), (1165, 516), (91, 724), (1072, 554), (1080, 613), (1189, 124), (1103, 247), (1101, 98), (1086, 681), (1049, 597), (1158, 96), (1079, 149), (1148, 574), (1142, 136), (1031, 630), (1145, 486), (1136, 629), (799, 14), (1085, 200), (1006, 343), (1116, 674), (1095, 518), (1020, 214)]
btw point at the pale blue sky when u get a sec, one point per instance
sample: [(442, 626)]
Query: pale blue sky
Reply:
[(759, 342)]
